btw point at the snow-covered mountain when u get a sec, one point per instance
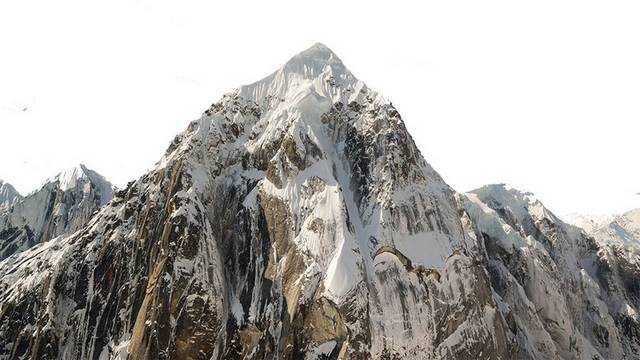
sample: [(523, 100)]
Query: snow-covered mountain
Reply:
[(616, 229), (565, 294), (62, 205), (587, 222), (296, 219), (8, 195)]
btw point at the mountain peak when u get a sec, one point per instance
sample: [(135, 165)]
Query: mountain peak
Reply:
[(503, 190), (302, 200), (319, 47), (69, 178), (318, 53), (588, 222), (8, 194), (522, 202), (316, 70)]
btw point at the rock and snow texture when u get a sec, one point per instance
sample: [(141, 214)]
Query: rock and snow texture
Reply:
[(296, 219), (8, 195), (587, 222), (62, 205), (623, 229), (564, 294)]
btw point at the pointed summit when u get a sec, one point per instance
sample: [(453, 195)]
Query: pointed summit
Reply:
[(317, 55), (67, 179), (315, 70), (70, 178), (318, 48)]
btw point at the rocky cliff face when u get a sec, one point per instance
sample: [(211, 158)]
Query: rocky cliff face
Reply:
[(295, 219), (62, 205)]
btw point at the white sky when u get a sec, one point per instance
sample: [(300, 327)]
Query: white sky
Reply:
[(543, 95)]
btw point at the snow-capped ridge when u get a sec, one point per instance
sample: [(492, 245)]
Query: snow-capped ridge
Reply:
[(615, 229), (521, 202), (587, 222)]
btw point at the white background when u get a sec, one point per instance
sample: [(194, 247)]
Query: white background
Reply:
[(543, 95)]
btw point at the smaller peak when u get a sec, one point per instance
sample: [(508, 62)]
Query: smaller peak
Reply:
[(587, 222), (506, 195), (4, 184), (502, 188), (521, 202), (68, 179), (632, 214), (76, 170), (8, 194)]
